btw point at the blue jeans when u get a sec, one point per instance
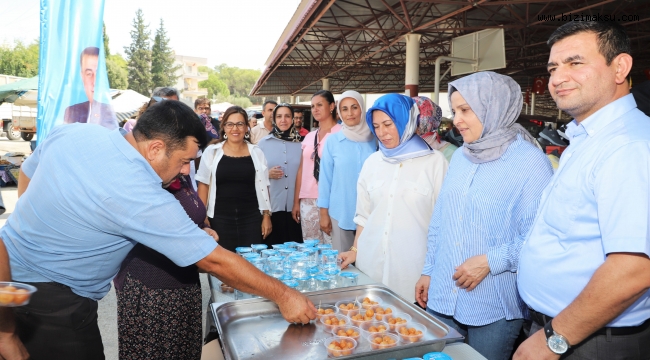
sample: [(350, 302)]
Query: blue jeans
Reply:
[(494, 341)]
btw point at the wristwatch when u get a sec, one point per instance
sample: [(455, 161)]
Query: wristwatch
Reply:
[(556, 342), (266, 212)]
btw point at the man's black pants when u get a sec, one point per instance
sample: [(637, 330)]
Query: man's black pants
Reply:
[(59, 324)]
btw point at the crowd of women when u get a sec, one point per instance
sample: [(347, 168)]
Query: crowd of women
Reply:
[(438, 225)]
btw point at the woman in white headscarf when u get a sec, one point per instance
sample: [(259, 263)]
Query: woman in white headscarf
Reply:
[(486, 206), (397, 189), (343, 156)]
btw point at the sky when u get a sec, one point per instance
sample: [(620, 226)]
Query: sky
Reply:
[(239, 33)]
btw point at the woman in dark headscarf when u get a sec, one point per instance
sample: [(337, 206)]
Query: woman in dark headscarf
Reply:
[(396, 191), (282, 151), (428, 124), (486, 206)]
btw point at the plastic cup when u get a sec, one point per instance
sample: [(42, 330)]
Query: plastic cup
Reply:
[(330, 321), (333, 350), (393, 340), (259, 247), (411, 332), (399, 318), (269, 252), (349, 331), (349, 279), (311, 242), (383, 313), (373, 327), (326, 310), (243, 250), (346, 308), (13, 294), (359, 317), (372, 300), (291, 244)]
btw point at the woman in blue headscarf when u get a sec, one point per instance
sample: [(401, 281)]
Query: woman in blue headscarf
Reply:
[(397, 189)]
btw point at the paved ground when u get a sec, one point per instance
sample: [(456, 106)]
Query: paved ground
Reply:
[(108, 305)]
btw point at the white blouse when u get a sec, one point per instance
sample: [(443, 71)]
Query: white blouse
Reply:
[(208, 168), (394, 205)]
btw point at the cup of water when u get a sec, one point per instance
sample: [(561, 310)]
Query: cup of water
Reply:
[(243, 250), (275, 266), (259, 247), (349, 279)]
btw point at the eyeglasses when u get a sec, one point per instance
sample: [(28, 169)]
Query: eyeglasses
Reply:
[(239, 125), (203, 108)]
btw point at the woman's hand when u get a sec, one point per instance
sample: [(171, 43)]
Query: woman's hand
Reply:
[(266, 226), (276, 173), (347, 258), (325, 221), (211, 233), (295, 212), (472, 272), (422, 290)]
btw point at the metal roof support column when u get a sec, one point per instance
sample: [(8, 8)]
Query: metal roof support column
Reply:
[(412, 63), (326, 84), (532, 103), (436, 93), (292, 99)]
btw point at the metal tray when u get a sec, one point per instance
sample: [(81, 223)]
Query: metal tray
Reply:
[(254, 329)]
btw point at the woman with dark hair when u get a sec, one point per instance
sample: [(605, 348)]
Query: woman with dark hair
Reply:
[(234, 183), (343, 157), (305, 209), (158, 302), (282, 150)]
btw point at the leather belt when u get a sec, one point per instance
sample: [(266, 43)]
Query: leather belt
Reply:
[(542, 319)]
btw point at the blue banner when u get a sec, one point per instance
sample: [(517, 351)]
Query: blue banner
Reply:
[(73, 84)]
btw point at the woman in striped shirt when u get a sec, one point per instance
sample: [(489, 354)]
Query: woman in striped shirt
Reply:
[(486, 205)]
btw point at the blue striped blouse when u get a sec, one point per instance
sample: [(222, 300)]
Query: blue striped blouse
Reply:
[(484, 209)]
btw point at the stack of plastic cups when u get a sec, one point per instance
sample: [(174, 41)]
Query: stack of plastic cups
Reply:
[(275, 266), (321, 247), (243, 250), (313, 273), (259, 247), (299, 270), (330, 266)]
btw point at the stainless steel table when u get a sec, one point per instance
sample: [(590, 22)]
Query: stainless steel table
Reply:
[(457, 351)]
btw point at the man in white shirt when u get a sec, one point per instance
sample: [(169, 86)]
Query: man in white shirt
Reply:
[(264, 128)]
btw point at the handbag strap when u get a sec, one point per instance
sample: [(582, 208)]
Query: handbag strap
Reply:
[(316, 157)]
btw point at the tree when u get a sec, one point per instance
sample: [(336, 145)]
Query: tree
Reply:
[(116, 67), (107, 51), (117, 71), (214, 85), (139, 56), (163, 70), (21, 60)]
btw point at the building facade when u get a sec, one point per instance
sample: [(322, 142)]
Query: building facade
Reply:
[(189, 78)]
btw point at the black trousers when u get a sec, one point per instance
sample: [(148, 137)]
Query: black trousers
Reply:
[(285, 228), (237, 227), (59, 324)]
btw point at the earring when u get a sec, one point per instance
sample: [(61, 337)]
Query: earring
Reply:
[(247, 136), (225, 137)]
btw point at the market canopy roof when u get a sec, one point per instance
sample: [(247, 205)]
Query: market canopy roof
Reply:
[(13, 91), (359, 44)]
